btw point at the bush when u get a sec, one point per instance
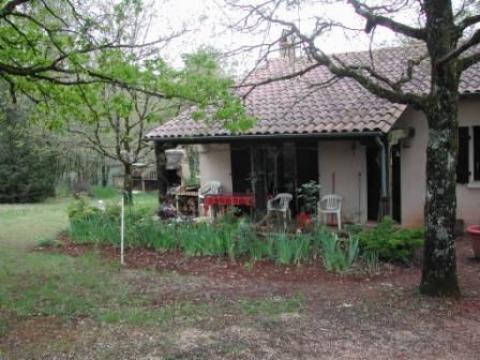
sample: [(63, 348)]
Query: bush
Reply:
[(232, 237), (289, 250), (336, 256), (28, 163), (88, 224), (391, 243)]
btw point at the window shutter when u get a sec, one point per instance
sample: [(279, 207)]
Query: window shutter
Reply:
[(463, 160), (476, 153)]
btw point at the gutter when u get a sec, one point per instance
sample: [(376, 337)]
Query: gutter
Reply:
[(384, 198), (383, 165), (259, 137)]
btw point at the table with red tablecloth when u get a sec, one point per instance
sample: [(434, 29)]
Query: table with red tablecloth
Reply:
[(229, 199)]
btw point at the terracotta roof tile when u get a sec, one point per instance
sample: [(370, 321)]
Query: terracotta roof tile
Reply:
[(290, 106)]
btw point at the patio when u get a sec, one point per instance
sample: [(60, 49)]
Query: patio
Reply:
[(250, 174)]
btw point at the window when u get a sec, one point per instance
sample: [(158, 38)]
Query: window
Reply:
[(476, 153), (463, 163), (468, 161)]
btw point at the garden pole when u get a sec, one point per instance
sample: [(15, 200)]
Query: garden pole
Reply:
[(122, 230)]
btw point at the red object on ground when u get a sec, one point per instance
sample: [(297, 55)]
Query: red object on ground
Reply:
[(304, 219), (229, 199), (474, 232)]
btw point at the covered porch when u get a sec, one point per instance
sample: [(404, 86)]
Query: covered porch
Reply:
[(356, 166)]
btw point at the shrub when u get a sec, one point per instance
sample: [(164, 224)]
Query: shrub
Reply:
[(290, 250), (232, 237), (338, 257), (28, 161), (89, 224), (391, 243), (309, 194), (371, 261), (81, 209)]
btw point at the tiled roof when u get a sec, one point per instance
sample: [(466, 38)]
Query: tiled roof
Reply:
[(293, 106)]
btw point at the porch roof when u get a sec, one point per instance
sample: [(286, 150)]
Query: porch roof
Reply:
[(296, 107)]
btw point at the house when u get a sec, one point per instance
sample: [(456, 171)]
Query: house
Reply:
[(315, 127)]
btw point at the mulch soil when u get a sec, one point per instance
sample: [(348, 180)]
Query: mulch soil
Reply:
[(269, 272)]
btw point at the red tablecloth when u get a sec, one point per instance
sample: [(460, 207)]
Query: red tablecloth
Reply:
[(228, 200)]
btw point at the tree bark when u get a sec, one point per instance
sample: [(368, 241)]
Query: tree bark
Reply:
[(439, 275), (161, 169), (105, 173), (128, 183)]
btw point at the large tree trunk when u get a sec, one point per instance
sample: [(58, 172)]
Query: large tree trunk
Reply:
[(439, 276), (128, 183)]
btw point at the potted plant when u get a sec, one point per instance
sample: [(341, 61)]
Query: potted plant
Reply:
[(474, 232), (309, 193)]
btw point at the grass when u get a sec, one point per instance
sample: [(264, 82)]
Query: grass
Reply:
[(56, 306), (51, 284), (54, 286), (184, 312), (272, 306), (110, 195), (104, 192), (49, 242)]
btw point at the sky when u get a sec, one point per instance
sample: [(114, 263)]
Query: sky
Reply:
[(210, 22)]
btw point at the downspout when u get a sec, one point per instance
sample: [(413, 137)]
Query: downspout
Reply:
[(383, 177)]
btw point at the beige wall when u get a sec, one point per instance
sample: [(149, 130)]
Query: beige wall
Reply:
[(343, 170), (413, 167), (215, 165)]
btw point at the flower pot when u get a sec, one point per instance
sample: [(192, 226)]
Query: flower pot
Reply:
[(304, 220), (474, 233)]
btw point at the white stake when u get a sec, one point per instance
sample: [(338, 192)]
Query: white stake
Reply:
[(122, 230)]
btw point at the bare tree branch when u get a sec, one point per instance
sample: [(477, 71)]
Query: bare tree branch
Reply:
[(365, 75), (10, 6), (469, 21), (373, 20), (454, 54)]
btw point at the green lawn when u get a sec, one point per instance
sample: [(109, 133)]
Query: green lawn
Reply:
[(60, 307), (110, 194), (43, 290)]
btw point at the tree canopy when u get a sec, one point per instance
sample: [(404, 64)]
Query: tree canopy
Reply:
[(28, 162), (60, 53)]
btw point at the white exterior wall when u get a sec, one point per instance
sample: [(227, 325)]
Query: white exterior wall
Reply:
[(215, 165), (413, 168), (343, 169)]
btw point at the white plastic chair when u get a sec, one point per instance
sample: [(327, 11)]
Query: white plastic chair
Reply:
[(210, 188), (331, 204), (281, 203)]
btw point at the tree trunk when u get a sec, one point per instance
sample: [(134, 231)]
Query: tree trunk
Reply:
[(105, 173), (161, 170), (439, 276), (128, 183)]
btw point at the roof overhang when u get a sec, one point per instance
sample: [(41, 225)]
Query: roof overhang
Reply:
[(266, 137)]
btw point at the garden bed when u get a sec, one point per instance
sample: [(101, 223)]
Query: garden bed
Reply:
[(221, 267)]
